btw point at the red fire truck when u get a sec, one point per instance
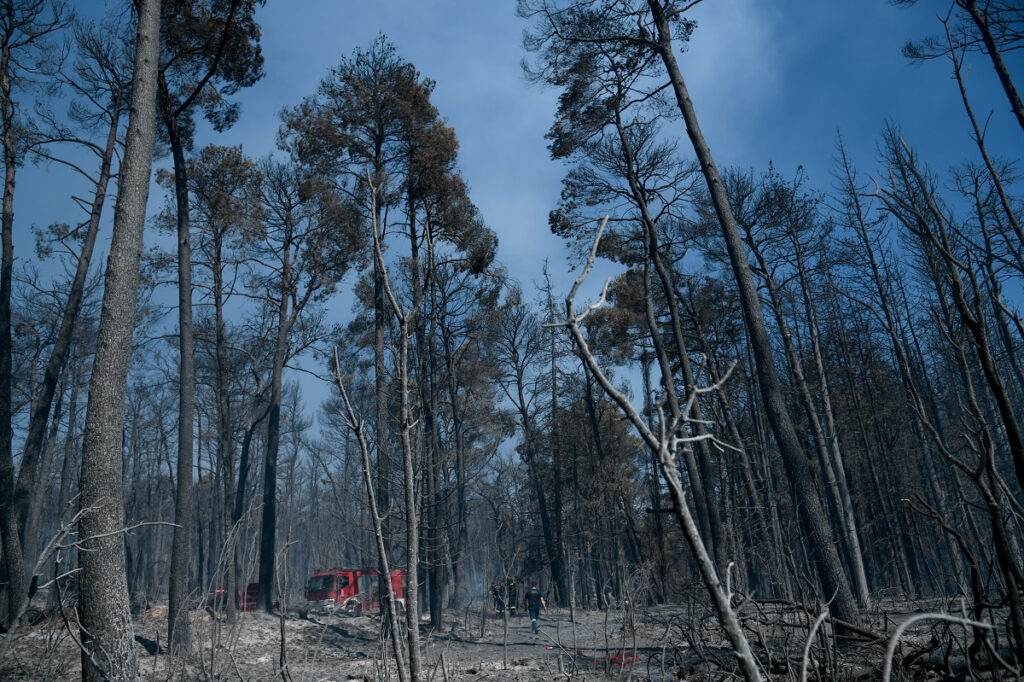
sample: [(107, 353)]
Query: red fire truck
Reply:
[(349, 590)]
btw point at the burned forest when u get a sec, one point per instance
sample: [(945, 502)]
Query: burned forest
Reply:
[(634, 340)]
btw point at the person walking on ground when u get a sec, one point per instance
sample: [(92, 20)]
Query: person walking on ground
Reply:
[(498, 592), (534, 603)]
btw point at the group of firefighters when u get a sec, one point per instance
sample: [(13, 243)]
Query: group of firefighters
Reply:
[(506, 594)]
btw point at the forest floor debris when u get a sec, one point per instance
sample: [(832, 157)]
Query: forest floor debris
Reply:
[(656, 644)]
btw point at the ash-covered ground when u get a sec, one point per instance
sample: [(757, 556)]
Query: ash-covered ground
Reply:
[(475, 644), (655, 644)]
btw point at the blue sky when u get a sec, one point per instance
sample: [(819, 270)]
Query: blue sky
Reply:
[(771, 81)]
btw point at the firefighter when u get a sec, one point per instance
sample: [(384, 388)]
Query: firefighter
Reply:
[(511, 594), (499, 602), (534, 603)]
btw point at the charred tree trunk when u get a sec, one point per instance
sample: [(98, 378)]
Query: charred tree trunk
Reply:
[(830, 435), (461, 545), (812, 516), (851, 540), (26, 488), (225, 441), (667, 447), (177, 607), (268, 527), (70, 439), (981, 21), (12, 555), (559, 573), (380, 427), (697, 458)]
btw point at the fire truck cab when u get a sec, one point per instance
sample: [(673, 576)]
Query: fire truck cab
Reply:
[(349, 590)]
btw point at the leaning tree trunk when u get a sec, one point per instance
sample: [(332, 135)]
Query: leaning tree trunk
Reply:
[(238, 511), (847, 524), (107, 633), (832, 437), (70, 441), (389, 610), (812, 516), (667, 448), (28, 476), (997, 58), (30, 536)]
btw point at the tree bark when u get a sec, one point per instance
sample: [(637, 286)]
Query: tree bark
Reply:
[(177, 606), (461, 544), (813, 519), (107, 631), (997, 58), (225, 440), (533, 471), (667, 449), (697, 458), (268, 528), (851, 541), (431, 456), (28, 478), (244, 466), (12, 555), (412, 538), (30, 536), (388, 606), (70, 439), (380, 427), (559, 573)]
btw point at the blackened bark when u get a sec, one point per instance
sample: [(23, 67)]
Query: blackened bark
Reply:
[(536, 482), (244, 465), (461, 544), (30, 535), (698, 459), (380, 428), (268, 527), (812, 516), (70, 439), (28, 477), (558, 568), (13, 560), (431, 460), (978, 16), (177, 608), (225, 442), (847, 528)]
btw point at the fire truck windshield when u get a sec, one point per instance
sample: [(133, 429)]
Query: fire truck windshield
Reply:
[(326, 583)]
